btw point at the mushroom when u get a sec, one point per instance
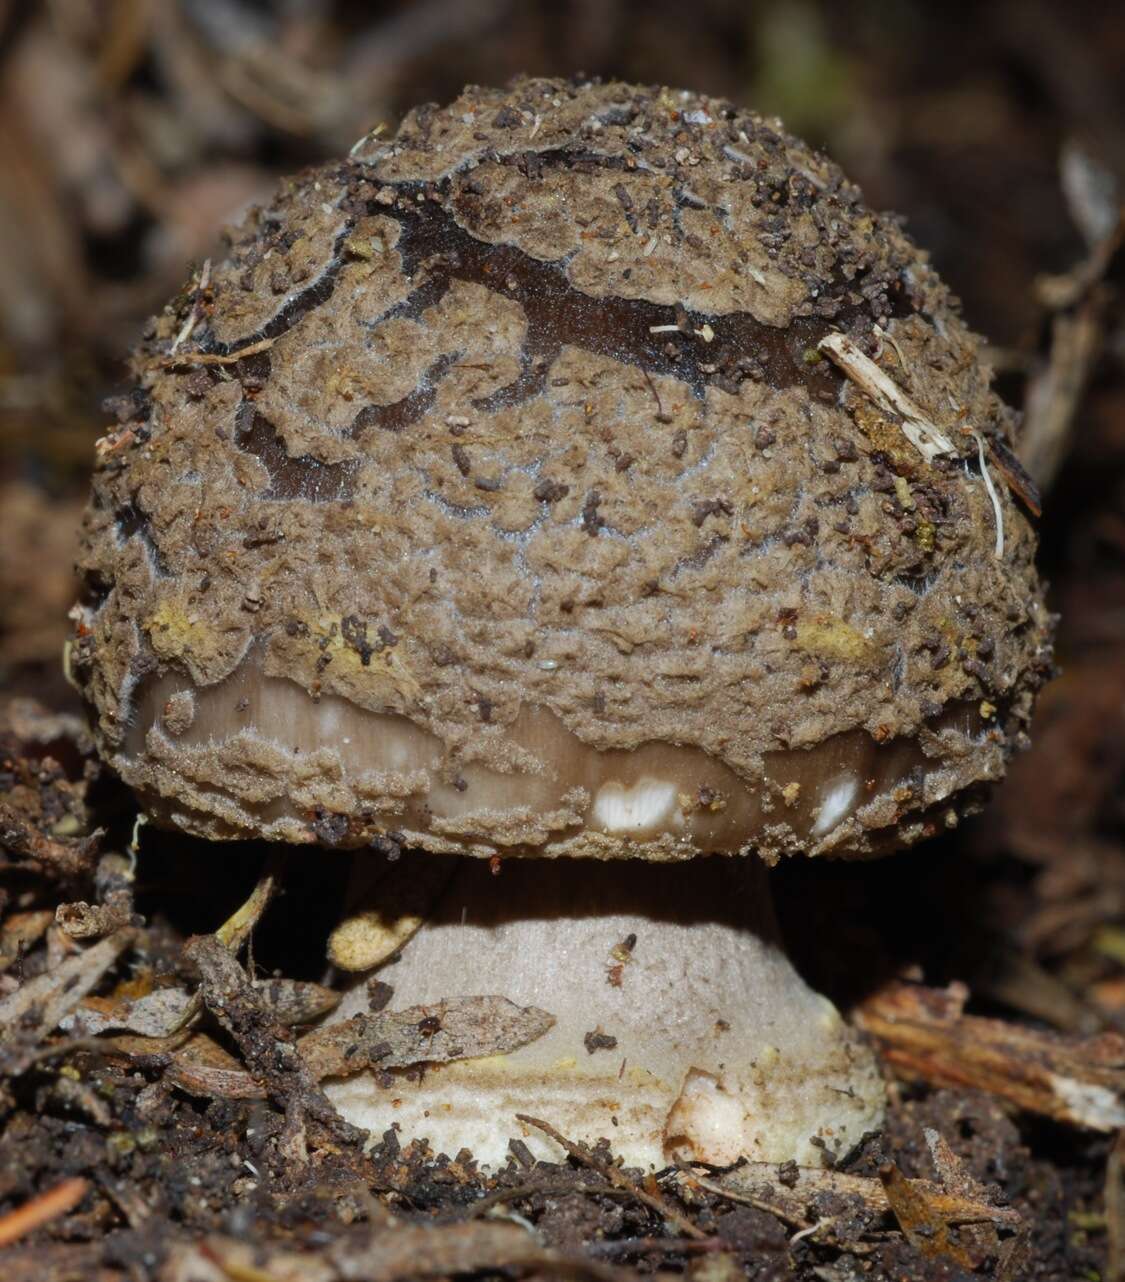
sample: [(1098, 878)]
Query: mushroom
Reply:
[(583, 476)]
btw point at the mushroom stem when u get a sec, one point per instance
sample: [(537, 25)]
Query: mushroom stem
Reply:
[(682, 1029)]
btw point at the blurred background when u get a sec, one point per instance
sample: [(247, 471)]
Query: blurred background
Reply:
[(132, 130)]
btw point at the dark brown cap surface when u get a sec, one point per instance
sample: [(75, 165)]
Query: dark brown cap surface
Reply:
[(508, 443)]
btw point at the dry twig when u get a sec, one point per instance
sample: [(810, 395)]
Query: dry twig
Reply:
[(926, 437), (268, 1048), (65, 860), (923, 1033), (42, 1209), (615, 1176)]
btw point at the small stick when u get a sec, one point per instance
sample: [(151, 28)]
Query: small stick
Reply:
[(926, 437), (747, 1199), (615, 1177), (42, 1209), (234, 932), (218, 358)]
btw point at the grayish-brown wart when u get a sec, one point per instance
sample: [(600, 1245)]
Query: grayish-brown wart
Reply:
[(584, 471)]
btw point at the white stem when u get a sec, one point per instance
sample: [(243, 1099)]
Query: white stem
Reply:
[(722, 1050)]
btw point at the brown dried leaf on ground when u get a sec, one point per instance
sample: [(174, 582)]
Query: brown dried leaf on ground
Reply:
[(156, 1014), (160, 1014), (34, 1010), (400, 1252), (981, 1240), (199, 1066), (461, 1028), (922, 1224), (924, 1033), (798, 1195), (469, 1026)]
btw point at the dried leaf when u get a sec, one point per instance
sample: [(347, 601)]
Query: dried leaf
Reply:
[(202, 1067), (42, 1002), (460, 1028), (387, 902), (296, 1001), (161, 1013), (921, 1223), (391, 1254), (794, 1194), (154, 1015)]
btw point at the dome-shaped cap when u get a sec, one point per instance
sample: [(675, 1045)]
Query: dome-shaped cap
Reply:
[(584, 470)]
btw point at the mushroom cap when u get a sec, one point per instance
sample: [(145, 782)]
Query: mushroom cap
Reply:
[(495, 492)]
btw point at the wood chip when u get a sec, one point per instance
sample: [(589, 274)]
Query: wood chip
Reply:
[(926, 437), (923, 1033)]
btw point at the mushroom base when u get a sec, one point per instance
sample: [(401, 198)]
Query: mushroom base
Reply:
[(682, 1029)]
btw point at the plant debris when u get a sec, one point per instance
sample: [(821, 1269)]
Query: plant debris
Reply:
[(926, 437), (392, 1254), (55, 1202), (923, 1032)]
